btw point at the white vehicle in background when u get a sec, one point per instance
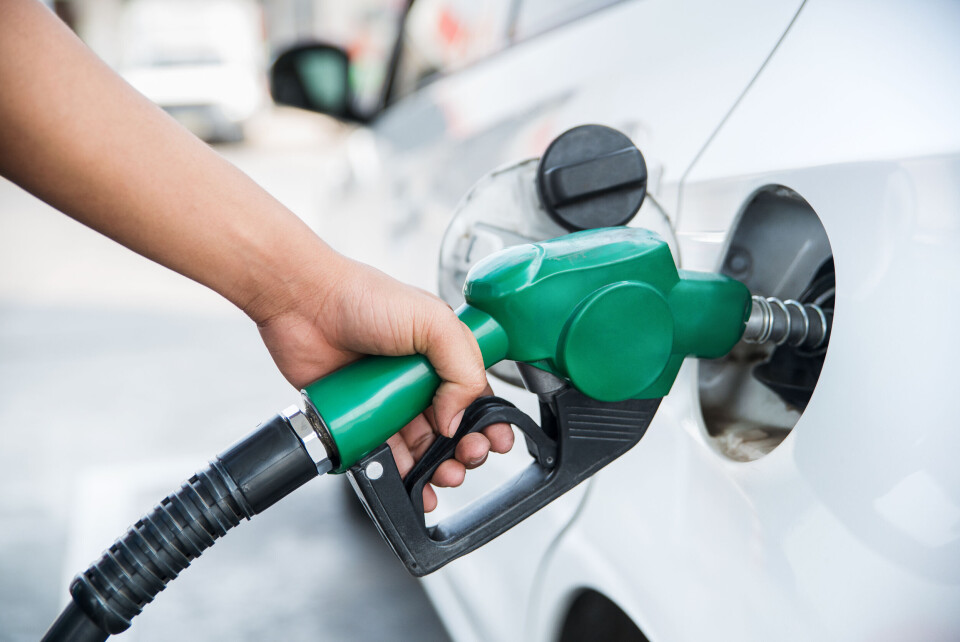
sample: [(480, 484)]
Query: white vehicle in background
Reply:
[(810, 149), (201, 60)]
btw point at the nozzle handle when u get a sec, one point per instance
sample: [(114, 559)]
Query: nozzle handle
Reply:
[(484, 412), (364, 403), (578, 437)]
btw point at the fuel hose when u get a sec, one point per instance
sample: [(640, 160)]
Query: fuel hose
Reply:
[(278, 457)]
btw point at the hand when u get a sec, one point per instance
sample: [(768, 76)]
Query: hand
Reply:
[(160, 191), (350, 310)]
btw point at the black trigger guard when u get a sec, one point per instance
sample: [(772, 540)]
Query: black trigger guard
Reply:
[(483, 412), (589, 435)]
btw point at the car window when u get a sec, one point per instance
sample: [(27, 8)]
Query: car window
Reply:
[(536, 16), (441, 36)]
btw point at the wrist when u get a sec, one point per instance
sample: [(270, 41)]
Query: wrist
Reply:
[(298, 271)]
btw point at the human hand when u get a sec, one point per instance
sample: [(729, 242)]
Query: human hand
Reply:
[(348, 310), (161, 192)]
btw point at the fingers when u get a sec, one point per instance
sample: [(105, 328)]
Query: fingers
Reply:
[(449, 474), (418, 435), (405, 461), (429, 498), (404, 320), (472, 450), (412, 442), (401, 454), (500, 437), (455, 355)]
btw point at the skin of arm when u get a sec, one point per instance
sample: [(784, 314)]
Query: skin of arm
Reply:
[(73, 133)]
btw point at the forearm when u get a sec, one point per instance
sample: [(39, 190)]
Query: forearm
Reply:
[(76, 135)]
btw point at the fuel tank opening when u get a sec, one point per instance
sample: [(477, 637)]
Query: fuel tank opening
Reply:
[(752, 398)]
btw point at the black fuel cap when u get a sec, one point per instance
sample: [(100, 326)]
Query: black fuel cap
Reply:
[(591, 176)]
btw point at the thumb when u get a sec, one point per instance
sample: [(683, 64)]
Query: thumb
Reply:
[(453, 351)]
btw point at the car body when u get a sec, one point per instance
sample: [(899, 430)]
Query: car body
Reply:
[(840, 520)]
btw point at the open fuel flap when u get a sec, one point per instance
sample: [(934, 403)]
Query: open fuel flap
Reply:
[(753, 397)]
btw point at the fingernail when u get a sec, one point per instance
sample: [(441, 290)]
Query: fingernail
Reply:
[(452, 429), (478, 460)]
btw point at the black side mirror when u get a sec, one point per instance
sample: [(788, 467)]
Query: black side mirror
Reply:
[(315, 77)]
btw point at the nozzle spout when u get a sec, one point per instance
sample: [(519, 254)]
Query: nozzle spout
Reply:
[(801, 325)]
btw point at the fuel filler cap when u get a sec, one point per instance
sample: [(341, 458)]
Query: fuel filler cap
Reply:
[(591, 176)]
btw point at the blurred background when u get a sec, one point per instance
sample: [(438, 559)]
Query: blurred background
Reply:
[(119, 378)]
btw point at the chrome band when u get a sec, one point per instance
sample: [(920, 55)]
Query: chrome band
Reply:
[(823, 327), (786, 319), (772, 320), (309, 438), (801, 337), (760, 322)]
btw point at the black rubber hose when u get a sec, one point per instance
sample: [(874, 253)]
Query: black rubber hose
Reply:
[(74, 625), (244, 480)]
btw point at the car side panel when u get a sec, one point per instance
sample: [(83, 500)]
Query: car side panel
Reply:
[(849, 529)]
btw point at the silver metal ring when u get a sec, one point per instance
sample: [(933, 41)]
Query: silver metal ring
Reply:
[(766, 319), (309, 438), (762, 327), (823, 327), (806, 320), (786, 313)]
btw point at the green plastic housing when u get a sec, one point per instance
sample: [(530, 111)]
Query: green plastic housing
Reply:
[(366, 402), (606, 309)]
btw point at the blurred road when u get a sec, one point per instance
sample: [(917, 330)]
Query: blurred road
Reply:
[(119, 378)]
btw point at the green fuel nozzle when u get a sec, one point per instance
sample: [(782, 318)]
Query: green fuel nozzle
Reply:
[(605, 309), (605, 312)]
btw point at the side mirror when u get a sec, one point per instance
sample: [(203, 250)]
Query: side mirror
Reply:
[(315, 77)]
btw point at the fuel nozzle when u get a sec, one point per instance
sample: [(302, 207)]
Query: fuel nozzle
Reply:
[(605, 309), (799, 325), (605, 312)]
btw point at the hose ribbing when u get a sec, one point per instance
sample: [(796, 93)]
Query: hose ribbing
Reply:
[(159, 547), (241, 482)]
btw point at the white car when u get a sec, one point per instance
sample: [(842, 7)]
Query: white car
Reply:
[(808, 148), (199, 60)]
